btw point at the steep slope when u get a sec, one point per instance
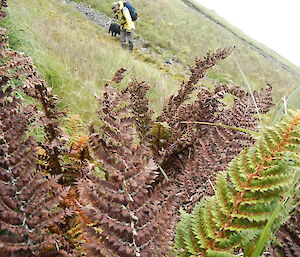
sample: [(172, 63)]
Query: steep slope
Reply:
[(260, 48), (185, 29), (77, 57)]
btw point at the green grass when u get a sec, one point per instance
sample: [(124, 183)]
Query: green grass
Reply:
[(240, 34), (77, 58), (186, 32)]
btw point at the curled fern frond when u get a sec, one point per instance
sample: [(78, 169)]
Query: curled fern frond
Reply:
[(247, 193)]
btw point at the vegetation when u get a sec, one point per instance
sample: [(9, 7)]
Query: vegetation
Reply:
[(184, 29), (247, 195), (116, 190), (58, 39)]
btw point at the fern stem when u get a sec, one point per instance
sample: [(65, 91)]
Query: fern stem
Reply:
[(222, 125)]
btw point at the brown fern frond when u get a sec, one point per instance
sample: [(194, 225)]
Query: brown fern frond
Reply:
[(289, 237), (3, 3), (2, 13), (54, 144), (116, 139), (28, 201), (133, 218), (139, 104), (131, 223), (16, 65), (196, 152), (119, 75), (197, 72), (185, 134), (214, 147)]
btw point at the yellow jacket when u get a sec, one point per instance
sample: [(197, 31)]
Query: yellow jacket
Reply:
[(124, 17)]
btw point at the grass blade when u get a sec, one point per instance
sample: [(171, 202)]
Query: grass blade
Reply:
[(250, 90)]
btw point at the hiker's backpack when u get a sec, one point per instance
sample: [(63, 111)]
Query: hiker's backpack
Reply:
[(132, 11)]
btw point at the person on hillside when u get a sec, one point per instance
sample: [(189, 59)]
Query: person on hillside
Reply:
[(127, 25)]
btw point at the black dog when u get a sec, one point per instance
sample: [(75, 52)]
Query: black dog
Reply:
[(114, 29)]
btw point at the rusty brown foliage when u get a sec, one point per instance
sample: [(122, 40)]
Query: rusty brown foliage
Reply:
[(119, 75), (28, 200), (17, 66), (213, 147), (196, 152), (136, 219), (139, 105), (190, 158), (289, 237), (130, 210)]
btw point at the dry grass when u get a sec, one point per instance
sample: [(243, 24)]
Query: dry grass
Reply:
[(185, 33), (77, 57)]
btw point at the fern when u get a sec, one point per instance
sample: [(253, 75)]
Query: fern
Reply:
[(133, 218), (29, 202), (130, 210), (139, 105), (198, 151), (247, 194), (193, 151), (15, 66)]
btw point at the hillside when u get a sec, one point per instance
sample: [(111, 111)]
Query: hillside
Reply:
[(76, 56), (97, 160)]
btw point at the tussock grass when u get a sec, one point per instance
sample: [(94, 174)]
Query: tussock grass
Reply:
[(187, 32), (240, 34), (75, 57)]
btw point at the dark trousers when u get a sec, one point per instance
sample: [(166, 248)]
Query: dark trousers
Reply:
[(126, 36)]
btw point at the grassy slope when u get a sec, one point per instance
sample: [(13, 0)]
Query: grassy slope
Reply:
[(186, 33), (261, 48), (76, 57)]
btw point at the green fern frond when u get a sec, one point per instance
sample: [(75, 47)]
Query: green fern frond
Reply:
[(210, 253), (179, 239), (198, 226), (189, 240), (247, 195), (225, 196)]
